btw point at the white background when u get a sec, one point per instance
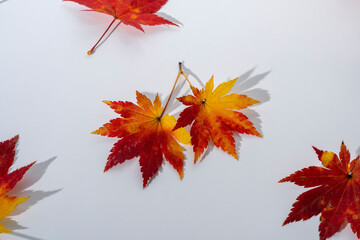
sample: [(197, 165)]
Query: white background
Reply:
[(299, 57)]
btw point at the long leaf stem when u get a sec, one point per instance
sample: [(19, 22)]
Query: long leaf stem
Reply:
[(172, 91), (182, 73), (91, 51)]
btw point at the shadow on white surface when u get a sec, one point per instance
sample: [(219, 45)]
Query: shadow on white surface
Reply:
[(254, 117), (35, 197), (2, 1), (245, 81), (209, 149), (238, 140), (243, 85), (25, 236), (170, 18), (160, 170), (33, 175), (189, 73), (11, 224)]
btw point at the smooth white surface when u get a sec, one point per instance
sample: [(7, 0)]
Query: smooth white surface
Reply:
[(304, 54)]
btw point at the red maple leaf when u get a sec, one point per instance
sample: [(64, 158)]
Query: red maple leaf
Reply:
[(209, 112), (9, 180), (335, 192), (145, 132), (130, 12)]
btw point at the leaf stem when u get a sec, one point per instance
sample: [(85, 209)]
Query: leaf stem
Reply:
[(91, 51), (172, 91), (182, 73)]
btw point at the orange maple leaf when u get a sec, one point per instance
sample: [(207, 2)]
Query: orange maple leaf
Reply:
[(9, 180), (209, 111), (335, 192), (130, 12), (146, 132)]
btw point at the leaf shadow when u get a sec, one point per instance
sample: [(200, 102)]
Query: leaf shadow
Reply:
[(151, 30), (255, 119), (189, 73), (170, 18), (238, 140), (160, 170), (209, 149), (245, 82), (3, 1), (243, 86), (34, 174), (25, 236), (11, 224), (35, 197)]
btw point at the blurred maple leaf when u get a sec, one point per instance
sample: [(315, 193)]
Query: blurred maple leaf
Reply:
[(130, 12), (209, 111), (335, 192), (9, 180), (146, 132)]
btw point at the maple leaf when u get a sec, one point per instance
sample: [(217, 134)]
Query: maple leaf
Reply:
[(9, 180), (146, 132), (210, 112), (335, 192), (130, 12)]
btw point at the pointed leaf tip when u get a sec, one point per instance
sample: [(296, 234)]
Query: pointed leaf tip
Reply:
[(316, 150), (283, 180), (181, 174), (15, 138)]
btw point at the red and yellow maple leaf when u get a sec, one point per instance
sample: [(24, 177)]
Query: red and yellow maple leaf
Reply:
[(335, 192), (145, 132), (9, 180), (130, 12), (212, 119)]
